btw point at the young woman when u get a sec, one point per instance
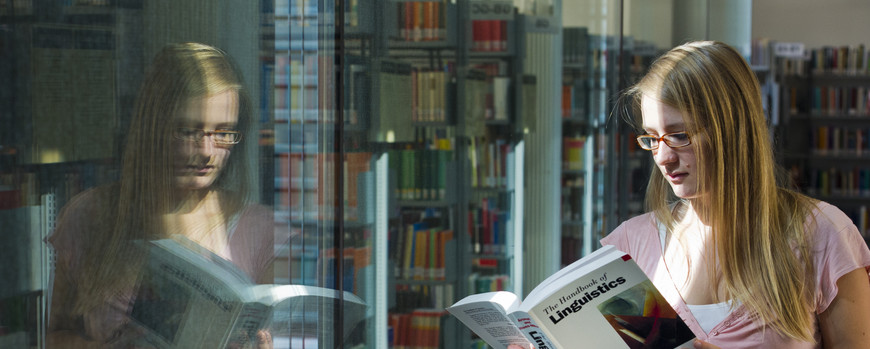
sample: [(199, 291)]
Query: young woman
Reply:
[(747, 262), (182, 172)]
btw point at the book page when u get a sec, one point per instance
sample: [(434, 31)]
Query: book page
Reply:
[(486, 315), (295, 305)]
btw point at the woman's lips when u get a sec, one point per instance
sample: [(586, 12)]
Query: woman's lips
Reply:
[(200, 170), (677, 176)]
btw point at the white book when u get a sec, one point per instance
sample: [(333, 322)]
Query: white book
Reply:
[(603, 300), (189, 297)]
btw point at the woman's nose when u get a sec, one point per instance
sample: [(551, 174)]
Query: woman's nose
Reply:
[(206, 145), (665, 154)]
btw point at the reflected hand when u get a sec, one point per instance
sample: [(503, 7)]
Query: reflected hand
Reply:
[(517, 346)]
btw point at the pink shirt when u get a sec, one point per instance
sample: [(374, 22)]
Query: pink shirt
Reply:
[(839, 249), (250, 247)]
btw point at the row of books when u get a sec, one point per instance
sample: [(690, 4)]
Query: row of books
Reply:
[(574, 97), (410, 297), (488, 158), (487, 96), (479, 283), (302, 184), (295, 8), (487, 226), (840, 100), (422, 20), (421, 251), (848, 141), (296, 85), (572, 152), (843, 59), (419, 329), (354, 259), (832, 59), (421, 173), (572, 198), (853, 182), (489, 35), (430, 90)]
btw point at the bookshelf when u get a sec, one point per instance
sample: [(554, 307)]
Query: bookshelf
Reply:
[(431, 117), (824, 106)]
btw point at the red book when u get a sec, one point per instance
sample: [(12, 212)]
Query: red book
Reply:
[(476, 35)]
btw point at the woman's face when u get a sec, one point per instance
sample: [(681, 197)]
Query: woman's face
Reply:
[(199, 160), (678, 165)]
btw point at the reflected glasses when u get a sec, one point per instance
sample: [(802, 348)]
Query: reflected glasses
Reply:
[(673, 140), (222, 137)]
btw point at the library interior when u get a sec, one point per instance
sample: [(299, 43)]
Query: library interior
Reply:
[(408, 152)]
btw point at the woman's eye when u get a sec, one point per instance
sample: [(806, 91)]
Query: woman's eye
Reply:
[(679, 136)]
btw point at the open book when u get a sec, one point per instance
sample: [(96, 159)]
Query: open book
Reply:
[(188, 297), (603, 300)]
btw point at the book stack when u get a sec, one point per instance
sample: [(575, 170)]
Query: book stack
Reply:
[(572, 153), (422, 172), (488, 158), (422, 20), (840, 100), (840, 60), (421, 252), (429, 95), (833, 140), (487, 227), (489, 35), (420, 329)]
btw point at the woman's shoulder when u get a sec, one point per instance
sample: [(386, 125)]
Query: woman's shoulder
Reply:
[(643, 223), (829, 215), (640, 227)]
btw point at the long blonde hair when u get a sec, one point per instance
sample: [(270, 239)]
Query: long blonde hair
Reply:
[(133, 207), (756, 221)]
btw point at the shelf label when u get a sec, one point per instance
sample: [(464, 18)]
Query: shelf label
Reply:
[(541, 24), (789, 49), (492, 10)]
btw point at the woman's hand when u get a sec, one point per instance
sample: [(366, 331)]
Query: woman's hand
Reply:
[(699, 344)]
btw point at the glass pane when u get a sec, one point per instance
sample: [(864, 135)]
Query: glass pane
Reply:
[(118, 140)]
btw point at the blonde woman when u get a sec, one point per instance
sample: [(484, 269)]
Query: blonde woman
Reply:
[(182, 172), (745, 261)]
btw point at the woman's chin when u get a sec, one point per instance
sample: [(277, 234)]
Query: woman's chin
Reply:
[(193, 182)]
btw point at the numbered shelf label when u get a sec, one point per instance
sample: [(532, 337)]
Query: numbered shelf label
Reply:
[(789, 49), (492, 10)]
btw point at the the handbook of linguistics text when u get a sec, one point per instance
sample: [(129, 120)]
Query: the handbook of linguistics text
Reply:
[(603, 300)]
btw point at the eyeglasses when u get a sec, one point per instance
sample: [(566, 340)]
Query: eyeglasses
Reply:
[(222, 137), (673, 140)]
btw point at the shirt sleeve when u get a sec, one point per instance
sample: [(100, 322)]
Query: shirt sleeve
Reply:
[(618, 238), (840, 249), (636, 236)]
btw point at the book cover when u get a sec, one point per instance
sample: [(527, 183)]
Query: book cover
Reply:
[(603, 300)]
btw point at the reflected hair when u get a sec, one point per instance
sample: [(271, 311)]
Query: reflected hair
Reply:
[(755, 218)]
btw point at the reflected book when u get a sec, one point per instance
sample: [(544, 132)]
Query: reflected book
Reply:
[(188, 297), (603, 300)]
